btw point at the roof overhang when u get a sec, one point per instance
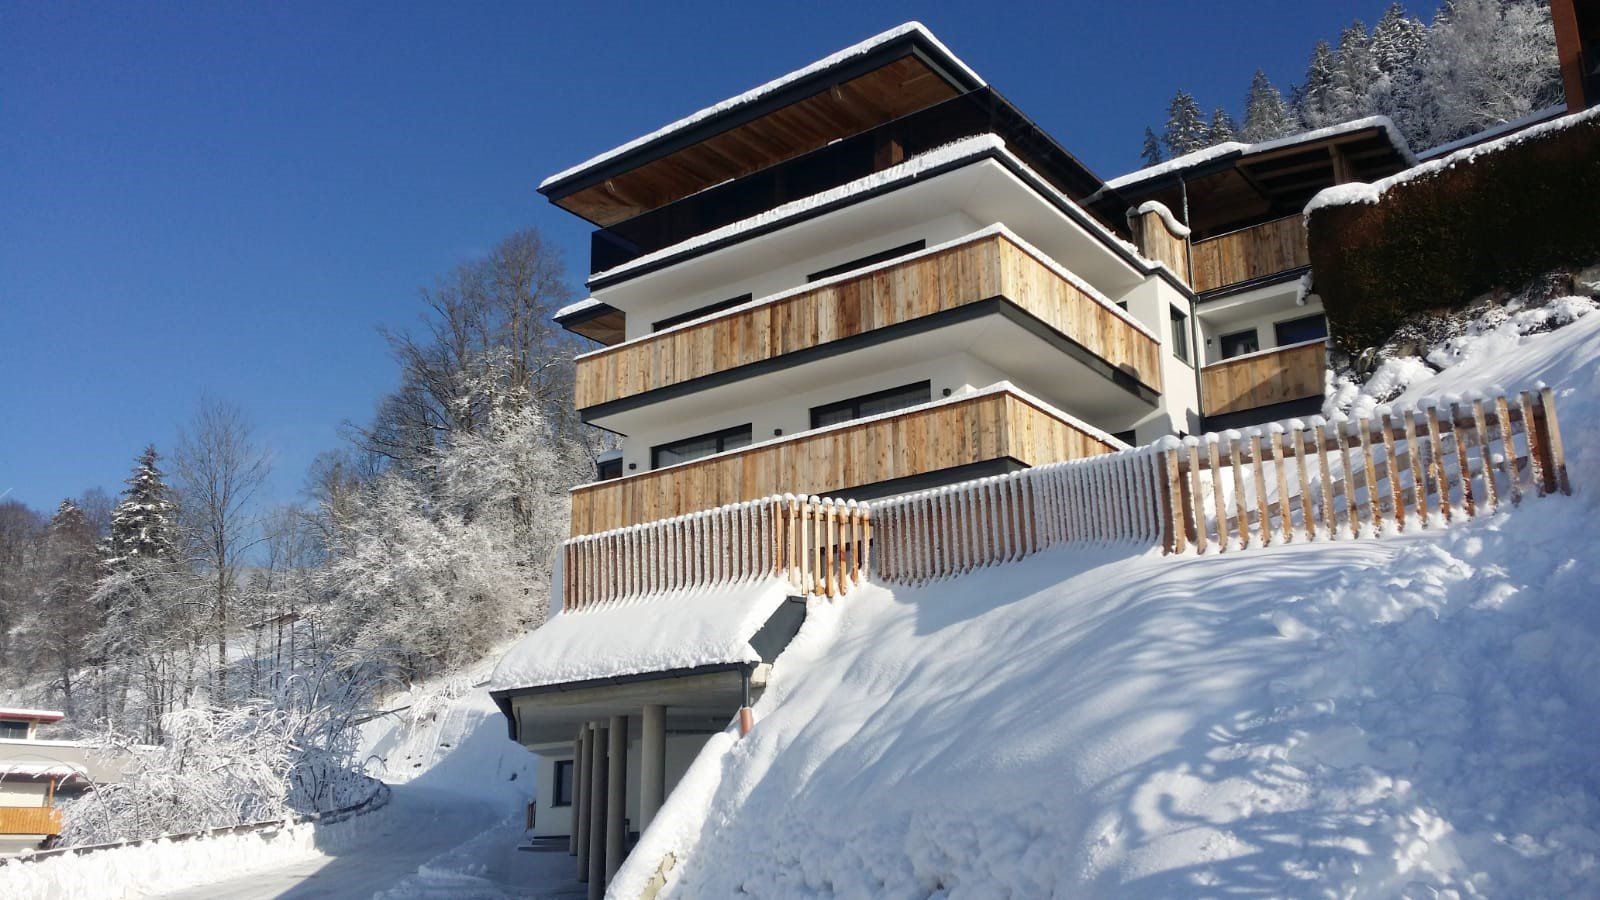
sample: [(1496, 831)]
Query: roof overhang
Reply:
[(887, 76)]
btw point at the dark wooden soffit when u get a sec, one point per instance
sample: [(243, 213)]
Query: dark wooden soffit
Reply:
[(894, 89)]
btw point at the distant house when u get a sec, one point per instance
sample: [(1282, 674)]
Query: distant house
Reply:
[(35, 773), (871, 276)]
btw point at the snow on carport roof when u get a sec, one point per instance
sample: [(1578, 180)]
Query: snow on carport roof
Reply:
[(757, 93), (670, 631)]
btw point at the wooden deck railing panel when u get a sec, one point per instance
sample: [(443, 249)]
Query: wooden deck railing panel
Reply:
[(30, 820), (1263, 379), (986, 426), (1250, 253), (988, 266)]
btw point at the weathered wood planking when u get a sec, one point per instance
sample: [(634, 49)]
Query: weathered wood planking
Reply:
[(1262, 379), (1250, 253), (987, 267), (1157, 242), (44, 820), (985, 427)]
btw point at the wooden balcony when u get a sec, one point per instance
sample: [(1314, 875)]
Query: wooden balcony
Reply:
[(44, 820), (1249, 253), (1264, 379), (988, 266), (988, 426)]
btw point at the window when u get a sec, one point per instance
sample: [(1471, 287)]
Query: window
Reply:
[(719, 306), (608, 468), (1239, 343), (1297, 331), (696, 447), (868, 260), (14, 731), (563, 783), (1180, 333), (871, 404)]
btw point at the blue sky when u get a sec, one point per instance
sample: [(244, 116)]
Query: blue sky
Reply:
[(226, 198)]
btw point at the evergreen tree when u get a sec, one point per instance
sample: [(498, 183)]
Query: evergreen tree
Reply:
[(1397, 42), (1186, 127), (1265, 114), (144, 524), (1151, 153), (1354, 73), (1222, 127), (1314, 98), (1486, 62)]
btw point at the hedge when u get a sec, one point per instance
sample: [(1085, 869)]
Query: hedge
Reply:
[(1440, 239)]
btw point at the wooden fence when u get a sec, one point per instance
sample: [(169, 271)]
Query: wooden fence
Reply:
[(961, 527), (1401, 469), (820, 546)]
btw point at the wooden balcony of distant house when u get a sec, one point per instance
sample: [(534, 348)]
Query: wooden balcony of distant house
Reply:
[(29, 820), (1264, 379), (989, 431), (1249, 254), (889, 300)]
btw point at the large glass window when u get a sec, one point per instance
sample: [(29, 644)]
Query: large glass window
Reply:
[(707, 310), (696, 447), (1297, 331), (871, 404), (1180, 333), (562, 795), (1239, 343), (14, 731)]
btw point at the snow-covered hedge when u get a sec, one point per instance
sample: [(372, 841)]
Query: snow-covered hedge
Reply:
[(1445, 232)]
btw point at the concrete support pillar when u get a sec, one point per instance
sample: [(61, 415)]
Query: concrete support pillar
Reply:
[(652, 764), (580, 811), (617, 797), (577, 788), (597, 814)]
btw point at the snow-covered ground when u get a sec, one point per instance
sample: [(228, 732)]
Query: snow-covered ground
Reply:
[(1414, 716)]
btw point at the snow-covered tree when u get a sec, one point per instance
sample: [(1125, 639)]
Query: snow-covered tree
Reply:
[(1186, 126), (1151, 151), (67, 616), (144, 524), (1266, 116), (1487, 62), (1222, 127), (1354, 73), (1315, 103)]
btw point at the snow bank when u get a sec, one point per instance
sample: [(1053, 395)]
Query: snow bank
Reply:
[(757, 93), (673, 630), (1360, 192), (1407, 716)]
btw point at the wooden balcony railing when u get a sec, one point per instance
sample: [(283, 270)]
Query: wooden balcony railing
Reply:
[(993, 263), (994, 424), (1263, 379), (44, 820), (1249, 253)]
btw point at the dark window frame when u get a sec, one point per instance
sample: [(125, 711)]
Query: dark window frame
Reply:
[(558, 797), (10, 731), (1180, 335), (698, 312), (1222, 342), (869, 259), (747, 431), (854, 403), (1277, 329)]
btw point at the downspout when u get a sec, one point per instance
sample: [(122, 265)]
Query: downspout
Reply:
[(747, 718), (1194, 308)]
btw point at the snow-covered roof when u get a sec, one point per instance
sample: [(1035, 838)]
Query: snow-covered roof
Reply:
[(42, 715), (674, 630), (1358, 192), (1226, 148), (41, 770), (970, 147), (586, 303), (1487, 134), (757, 93)]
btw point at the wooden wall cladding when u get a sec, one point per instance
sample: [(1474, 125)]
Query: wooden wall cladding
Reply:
[(1262, 379), (1250, 253)]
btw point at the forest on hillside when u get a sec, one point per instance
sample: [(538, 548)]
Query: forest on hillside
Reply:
[(1475, 65)]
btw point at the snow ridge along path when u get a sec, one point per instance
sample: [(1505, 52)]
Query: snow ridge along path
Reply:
[(1411, 716)]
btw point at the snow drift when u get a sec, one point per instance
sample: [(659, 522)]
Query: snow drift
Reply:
[(1406, 716)]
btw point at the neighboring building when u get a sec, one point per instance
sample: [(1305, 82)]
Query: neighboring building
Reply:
[(871, 276), (34, 774)]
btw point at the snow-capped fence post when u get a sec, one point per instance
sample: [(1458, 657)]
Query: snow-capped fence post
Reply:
[(1558, 453)]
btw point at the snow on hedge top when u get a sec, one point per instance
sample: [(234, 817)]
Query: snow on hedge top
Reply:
[(1360, 192), (1189, 160), (757, 93), (680, 629)]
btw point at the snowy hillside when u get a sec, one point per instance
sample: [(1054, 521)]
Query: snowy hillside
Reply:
[(1391, 717)]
